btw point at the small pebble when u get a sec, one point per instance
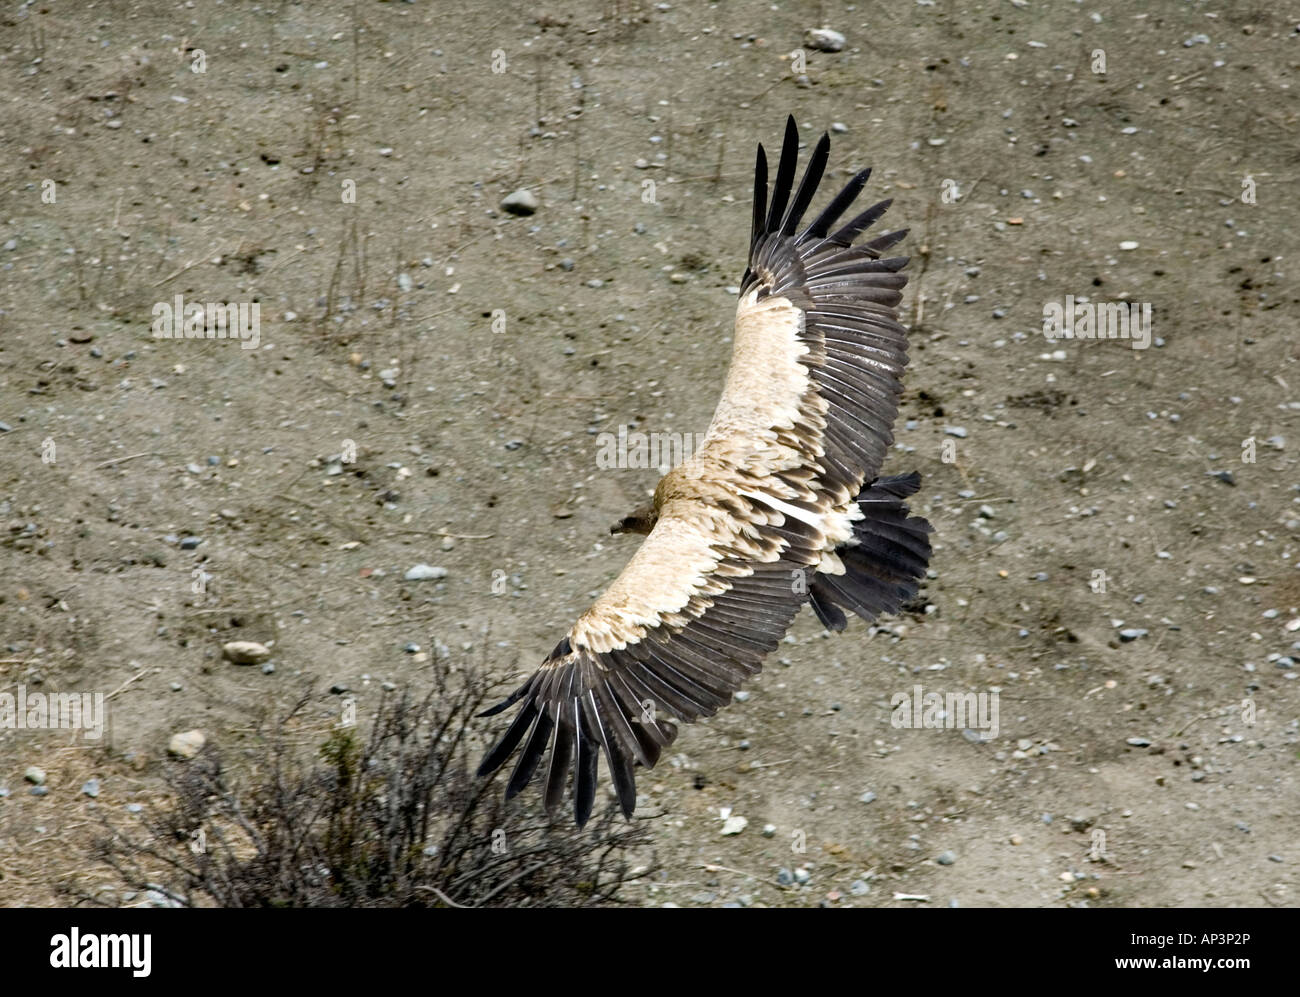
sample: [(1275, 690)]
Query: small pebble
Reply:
[(421, 572), (521, 202), (245, 652), (186, 744), (734, 825), (823, 40)]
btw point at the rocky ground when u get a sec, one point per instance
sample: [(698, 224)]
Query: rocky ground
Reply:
[(1116, 528)]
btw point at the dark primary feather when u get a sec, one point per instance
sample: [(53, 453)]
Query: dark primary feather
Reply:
[(538, 741), (861, 223), (784, 174), (807, 186), (760, 198), (839, 204)]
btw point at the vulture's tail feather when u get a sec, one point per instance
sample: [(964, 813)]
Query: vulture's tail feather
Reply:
[(885, 561)]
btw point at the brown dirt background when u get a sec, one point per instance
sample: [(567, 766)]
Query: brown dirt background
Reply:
[(226, 185)]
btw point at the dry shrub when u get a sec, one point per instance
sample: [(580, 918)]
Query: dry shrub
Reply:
[(392, 818)]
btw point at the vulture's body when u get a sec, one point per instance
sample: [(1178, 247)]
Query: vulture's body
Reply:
[(780, 505)]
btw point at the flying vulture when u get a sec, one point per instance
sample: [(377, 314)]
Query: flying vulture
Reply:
[(780, 505)]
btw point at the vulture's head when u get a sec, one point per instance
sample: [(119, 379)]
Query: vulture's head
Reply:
[(642, 520)]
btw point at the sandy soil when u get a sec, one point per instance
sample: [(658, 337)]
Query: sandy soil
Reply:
[(473, 357)]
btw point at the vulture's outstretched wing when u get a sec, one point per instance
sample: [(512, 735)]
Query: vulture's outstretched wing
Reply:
[(845, 297), (779, 506)]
